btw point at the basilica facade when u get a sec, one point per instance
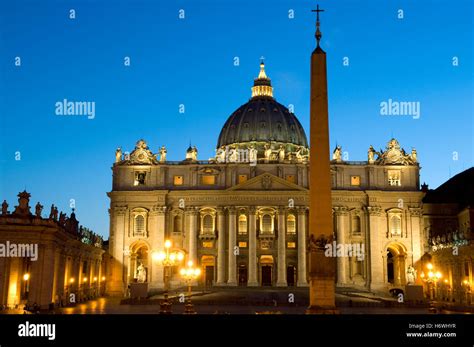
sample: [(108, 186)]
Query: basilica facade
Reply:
[(242, 216)]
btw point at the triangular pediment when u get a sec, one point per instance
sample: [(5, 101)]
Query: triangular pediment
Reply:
[(267, 181)]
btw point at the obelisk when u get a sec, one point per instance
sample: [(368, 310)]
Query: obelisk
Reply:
[(321, 269)]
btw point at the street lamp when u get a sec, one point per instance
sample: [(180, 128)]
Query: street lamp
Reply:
[(167, 258), (26, 278), (431, 279), (190, 274)]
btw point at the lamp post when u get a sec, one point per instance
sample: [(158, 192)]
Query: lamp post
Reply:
[(190, 274), (167, 258), (431, 278), (26, 279)]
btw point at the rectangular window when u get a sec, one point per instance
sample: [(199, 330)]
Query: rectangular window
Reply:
[(355, 181), (290, 178), (242, 178), (242, 244), (242, 224), (291, 224), (207, 244), (208, 179), (267, 223), (208, 224), (178, 180), (291, 245), (139, 178)]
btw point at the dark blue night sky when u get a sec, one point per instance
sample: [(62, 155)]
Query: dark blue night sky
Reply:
[(190, 61)]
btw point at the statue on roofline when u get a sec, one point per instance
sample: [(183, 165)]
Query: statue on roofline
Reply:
[(38, 209), (118, 155), (337, 154)]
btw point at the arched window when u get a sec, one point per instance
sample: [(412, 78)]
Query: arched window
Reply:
[(242, 224), (395, 225), (139, 225), (207, 224), (267, 225), (291, 224), (355, 224)]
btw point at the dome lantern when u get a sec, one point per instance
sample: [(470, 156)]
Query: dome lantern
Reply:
[(262, 86)]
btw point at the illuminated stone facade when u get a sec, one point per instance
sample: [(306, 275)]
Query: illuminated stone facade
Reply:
[(242, 216), (47, 262), (449, 240)]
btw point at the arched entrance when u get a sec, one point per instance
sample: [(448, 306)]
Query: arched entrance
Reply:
[(266, 270), (395, 264), (208, 266), (139, 269)]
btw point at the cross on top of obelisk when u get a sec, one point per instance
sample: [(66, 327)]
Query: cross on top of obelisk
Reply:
[(318, 33)]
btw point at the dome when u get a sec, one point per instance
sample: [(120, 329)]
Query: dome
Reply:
[(262, 120)]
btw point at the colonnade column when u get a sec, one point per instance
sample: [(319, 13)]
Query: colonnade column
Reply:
[(281, 266), (220, 247), (232, 269), (302, 275), (252, 279)]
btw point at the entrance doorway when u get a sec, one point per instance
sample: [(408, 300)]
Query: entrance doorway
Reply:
[(390, 276), (291, 276), (267, 275), (242, 275), (209, 276), (395, 265), (266, 270), (207, 263)]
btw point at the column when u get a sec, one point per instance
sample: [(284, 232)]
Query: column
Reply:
[(156, 232), (342, 231), (232, 270), (36, 275), (14, 282), (281, 273), (415, 214), (192, 233), (45, 296), (3, 280), (116, 283), (252, 279), (376, 253), (61, 273), (302, 274), (220, 247)]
